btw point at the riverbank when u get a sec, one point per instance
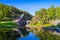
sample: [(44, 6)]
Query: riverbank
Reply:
[(46, 34)]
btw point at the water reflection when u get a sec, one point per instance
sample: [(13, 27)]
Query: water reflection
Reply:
[(11, 35), (14, 35), (30, 36)]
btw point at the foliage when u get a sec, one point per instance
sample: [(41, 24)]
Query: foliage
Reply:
[(8, 13), (43, 16)]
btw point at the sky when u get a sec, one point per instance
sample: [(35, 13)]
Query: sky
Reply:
[(31, 5)]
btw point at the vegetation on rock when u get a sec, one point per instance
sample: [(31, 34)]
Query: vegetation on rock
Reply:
[(46, 18), (9, 13)]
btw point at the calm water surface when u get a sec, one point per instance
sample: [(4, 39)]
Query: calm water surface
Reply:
[(13, 35), (30, 36)]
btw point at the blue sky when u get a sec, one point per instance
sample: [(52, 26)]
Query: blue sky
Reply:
[(31, 5)]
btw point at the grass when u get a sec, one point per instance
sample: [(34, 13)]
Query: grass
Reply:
[(6, 24)]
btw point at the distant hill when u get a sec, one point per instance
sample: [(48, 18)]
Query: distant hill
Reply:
[(9, 13)]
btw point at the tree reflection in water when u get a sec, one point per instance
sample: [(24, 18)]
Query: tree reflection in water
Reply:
[(11, 35)]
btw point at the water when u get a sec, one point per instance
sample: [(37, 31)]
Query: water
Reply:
[(13, 35), (58, 30), (30, 36), (9, 35)]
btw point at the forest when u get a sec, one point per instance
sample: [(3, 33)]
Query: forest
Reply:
[(44, 16), (9, 13)]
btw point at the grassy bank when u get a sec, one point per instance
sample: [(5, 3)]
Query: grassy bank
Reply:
[(7, 24)]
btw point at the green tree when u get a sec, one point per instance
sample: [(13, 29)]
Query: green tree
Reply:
[(1, 14), (58, 12), (51, 13), (11, 13)]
